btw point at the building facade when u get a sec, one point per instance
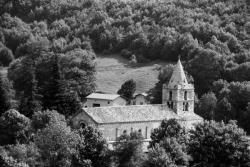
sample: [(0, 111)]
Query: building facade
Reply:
[(102, 100), (177, 103)]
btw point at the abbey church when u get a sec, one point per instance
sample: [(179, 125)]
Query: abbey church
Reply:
[(112, 121)]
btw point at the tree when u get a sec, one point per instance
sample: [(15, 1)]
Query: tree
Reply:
[(128, 150), (78, 67), (168, 129), (173, 139), (127, 89), (30, 102), (14, 128), (24, 153), (5, 102), (6, 56), (224, 110), (155, 93), (207, 105), (92, 148), (157, 156), (218, 144), (42, 119), (206, 67), (168, 152), (57, 144)]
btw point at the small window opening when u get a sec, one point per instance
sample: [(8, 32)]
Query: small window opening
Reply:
[(185, 95), (82, 125), (96, 105), (170, 95)]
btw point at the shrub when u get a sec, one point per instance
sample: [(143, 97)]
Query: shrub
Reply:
[(126, 53), (6, 56)]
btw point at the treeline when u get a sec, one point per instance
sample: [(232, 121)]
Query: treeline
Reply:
[(212, 36), (47, 139)]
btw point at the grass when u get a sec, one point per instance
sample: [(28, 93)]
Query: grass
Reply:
[(114, 70)]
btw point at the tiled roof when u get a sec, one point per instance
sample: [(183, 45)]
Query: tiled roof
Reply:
[(133, 113), (143, 94), (103, 96), (178, 78)]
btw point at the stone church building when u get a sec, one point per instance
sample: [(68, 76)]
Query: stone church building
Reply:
[(112, 121)]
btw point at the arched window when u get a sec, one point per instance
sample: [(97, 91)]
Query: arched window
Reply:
[(187, 106), (185, 95), (170, 95), (82, 125), (125, 132)]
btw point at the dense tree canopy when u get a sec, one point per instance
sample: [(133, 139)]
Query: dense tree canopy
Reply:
[(219, 144)]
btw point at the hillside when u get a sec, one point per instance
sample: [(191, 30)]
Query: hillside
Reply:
[(113, 71)]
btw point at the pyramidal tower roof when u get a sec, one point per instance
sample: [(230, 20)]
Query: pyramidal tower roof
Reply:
[(178, 78)]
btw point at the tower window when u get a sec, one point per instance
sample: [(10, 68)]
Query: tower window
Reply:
[(170, 105), (185, 106), (185, 95), (170, 95)]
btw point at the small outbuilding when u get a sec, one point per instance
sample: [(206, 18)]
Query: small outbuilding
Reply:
[(102, 100), (140, 99)]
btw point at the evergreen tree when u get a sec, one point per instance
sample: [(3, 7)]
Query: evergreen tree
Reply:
[(4, 96), (57, 95), (224, 110), (207, 105), (128, 89), (55, 88), (30, 100)]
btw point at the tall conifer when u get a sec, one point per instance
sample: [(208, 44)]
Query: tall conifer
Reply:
[(4, 96), (57, 95), (30, 100)]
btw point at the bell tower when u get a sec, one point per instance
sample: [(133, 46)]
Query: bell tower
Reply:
[(178, 94)]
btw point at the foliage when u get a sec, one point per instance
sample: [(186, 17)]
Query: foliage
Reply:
[(14, 128), (206, 106), (30, 100), (56, 94), (128, 150), (25, 153), (5, 102), (56, 144), (168, 129), (155, 94), (128, 89), (169, 140), (42, 119), (6, 56), (92, 147), (217, 144), (157, 156)]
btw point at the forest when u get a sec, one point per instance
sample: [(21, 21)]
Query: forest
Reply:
[(49, 49)]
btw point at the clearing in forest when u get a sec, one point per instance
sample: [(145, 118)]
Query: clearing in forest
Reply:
[(114, 70)]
